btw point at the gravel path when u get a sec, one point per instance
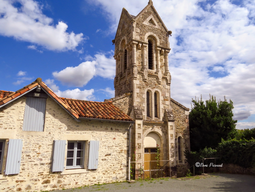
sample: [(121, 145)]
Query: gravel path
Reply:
[(209, 183)]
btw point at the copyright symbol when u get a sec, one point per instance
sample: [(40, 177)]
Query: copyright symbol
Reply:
[(197, 164)]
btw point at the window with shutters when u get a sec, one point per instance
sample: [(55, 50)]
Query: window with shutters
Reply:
[(34, 114), (75, 154), (1, 154), (150, 54)]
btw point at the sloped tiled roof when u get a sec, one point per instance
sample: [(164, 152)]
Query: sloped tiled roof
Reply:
[(4, 93), (100, 110), (76, 108)]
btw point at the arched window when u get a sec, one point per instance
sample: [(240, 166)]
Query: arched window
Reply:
[(148, 98), (156, 105), (150, 54), (179, 149), (125, 60)]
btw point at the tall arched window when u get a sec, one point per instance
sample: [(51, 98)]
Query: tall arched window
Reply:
[(150, 54), (125, 60), (179, 149), (156, 104), (148, 98)]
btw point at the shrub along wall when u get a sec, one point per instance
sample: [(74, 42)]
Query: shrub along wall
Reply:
[(232, 153)]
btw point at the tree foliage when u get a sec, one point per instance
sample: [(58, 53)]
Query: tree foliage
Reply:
[(247, 134), (239, 152), (210, 122)]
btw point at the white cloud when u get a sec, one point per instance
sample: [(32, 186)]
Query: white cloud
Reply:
[(109, 92), (34, 48), (21, 73), (99, 65), (22, 79), (28, 23), (73, 93), (245, 125), (77, 76)]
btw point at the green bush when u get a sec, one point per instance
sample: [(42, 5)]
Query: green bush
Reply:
[(239, 152)]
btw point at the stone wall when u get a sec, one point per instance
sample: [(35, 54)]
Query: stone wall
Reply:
[(181, 116), (36, 160), (123, 102)]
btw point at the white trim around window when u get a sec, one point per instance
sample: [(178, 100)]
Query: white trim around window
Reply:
[(75, 154)]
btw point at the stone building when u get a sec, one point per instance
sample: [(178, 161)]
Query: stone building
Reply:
[(48, 142), (142, 91)]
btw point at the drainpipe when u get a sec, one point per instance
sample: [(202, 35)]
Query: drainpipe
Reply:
[(129, 152)]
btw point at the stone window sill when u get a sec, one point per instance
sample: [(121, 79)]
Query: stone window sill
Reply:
[(73, 171)]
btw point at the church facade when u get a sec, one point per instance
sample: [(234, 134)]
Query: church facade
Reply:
[(142, 90)]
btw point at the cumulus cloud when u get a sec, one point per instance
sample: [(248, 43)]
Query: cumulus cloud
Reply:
[(77, 76), (73, 93), (21, 73), (28, 23), (101, 64)]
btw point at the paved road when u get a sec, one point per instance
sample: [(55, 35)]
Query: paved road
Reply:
[(211, 183)]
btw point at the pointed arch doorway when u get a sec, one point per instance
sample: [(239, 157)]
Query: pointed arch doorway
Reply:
[(152, 144)]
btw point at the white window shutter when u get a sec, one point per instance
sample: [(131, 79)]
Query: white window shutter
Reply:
[(93, 154), (13, 157), (58, 156)]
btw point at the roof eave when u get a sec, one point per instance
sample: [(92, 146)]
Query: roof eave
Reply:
[(111, 120), (18, 97), (60, 105)]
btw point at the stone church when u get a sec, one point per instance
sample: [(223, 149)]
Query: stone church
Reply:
[(49, 142), (142, 90)]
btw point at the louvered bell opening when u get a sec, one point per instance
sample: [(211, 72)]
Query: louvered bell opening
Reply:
[(150, 53)]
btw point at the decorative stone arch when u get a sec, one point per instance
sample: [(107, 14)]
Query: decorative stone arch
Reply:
[(153, 42), (123, 40), (158, 132), (123, 47), (151, 35), (152, 140)]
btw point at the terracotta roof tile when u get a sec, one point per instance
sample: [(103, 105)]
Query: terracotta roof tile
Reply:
[(4, 94), (99, 110), (76, 108)]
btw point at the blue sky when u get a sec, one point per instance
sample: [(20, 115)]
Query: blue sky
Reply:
[(69, 45)]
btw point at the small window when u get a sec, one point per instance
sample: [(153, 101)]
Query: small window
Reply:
[(148, 98), (125, 60), (1, 154), (179, 149), (75, 154), (150, 54), (156, 104)]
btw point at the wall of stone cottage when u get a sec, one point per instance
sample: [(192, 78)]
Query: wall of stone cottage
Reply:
[(181, 117), (35, 170)]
